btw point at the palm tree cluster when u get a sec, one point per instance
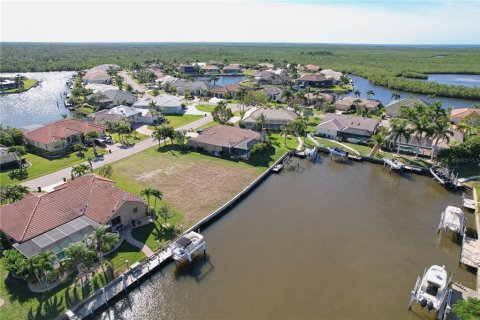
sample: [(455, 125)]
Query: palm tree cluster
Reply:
[(12, 193), (149, 193)]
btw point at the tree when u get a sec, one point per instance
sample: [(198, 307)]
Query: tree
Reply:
[(255, 98), (214, 79), (467, 309), (123, 130), (298, 126), (90, 136), (440, 131), (79, 149), (18, 152), (287, 94), (179, 137), (12, 193), (111, 71), (400, 130), (157, 195), (10, 136), (101, 240), (16, 263), (80, 256), (162, 133), (260, 122), (344, 79), (106, 171), (395, 96), (42, 266), (378, 139), (370, 93), (79, 170), (147, 192), (119, 82), (165, 213), (221, 113), (357, 93), (285, 131), (307, 113)]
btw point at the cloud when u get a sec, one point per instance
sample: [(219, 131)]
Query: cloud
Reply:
[(401, 22)]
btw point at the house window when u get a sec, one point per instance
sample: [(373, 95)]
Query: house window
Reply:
[(116, 221), (135, 210)]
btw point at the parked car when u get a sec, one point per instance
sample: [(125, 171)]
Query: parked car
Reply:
[(100, 142)]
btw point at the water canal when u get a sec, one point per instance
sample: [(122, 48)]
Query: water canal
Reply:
[(467, 80), (331, 241)]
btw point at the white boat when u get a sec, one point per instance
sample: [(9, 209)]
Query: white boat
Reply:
[(394, 164), (431, 290), (453, 219), (338, 152), (186, 245), (311, 152)]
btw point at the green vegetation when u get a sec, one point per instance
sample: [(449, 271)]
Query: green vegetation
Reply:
[(179, 120), (467, 309), (124, 252), (154, 235), (85, 109), (205, 108), (27, 84), (207, 125), (382, 65)]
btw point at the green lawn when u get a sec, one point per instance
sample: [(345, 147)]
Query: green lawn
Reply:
[(154, 235), (125, 252), (363, 150), (180, 120), (327, 143), (207, 125), (27, 85), (84, 110), (42, 166), (134, 138), (205, 108)]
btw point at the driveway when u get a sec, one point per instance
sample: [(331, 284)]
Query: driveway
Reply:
[(135, 86)]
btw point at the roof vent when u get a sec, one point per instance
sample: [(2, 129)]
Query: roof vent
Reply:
[(85, 207)]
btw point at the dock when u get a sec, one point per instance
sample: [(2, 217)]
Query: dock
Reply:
[(468, 203), (470, 255), (354, 157)]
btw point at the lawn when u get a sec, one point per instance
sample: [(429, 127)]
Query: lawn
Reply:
[(180, 120), (28, 83), (207, 125), (84, 110), (135, 137), (327, 143), (42, 166), (363, 150), (125, 252), (154, 235), (205, 108)]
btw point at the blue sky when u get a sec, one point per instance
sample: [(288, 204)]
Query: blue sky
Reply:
[(373, 22)]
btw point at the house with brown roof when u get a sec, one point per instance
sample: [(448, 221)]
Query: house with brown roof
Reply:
[(232, 69), (318, 99), (458, 115), (275, 118), (313, 80), (348, 103), (336, 76), (226, 140), (267, 77), (99, 74), (265, 65), (394, 108), (346, 127), (226, 92), (311, 68), (209, 69), (61, 134), (52, 221)]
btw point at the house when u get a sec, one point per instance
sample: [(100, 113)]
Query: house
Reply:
[(156, 71), (187, 68), (313, 80), (198, 88), (335, 76), (7, 84), (69, 213), (274, 93), (99, 74), (345, 127), (100, 87), (265, 66), (232, 69), (348, 103), (61, 134), (108, 66), (226, 140), (275, 118), (318, 99), (164, 103), (171, 81), (311, 68), (278, 71), (394, 108), (267, 77), (113, 97), (458, 115), (119, 114), (5, 157), (210, 70)]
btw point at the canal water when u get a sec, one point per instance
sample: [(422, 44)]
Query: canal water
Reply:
[(384, 94), (329, 241), (39, 105), (223, 80), (467, 80)]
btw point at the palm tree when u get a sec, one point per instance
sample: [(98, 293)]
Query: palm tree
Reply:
[(165, 213), (79, 148), (80, 256), (285, 131), (214, 79), (400, 130), (102, 241), (221, 113), (261, 121), (287, 94), (147, 192), (395, 96), (440, 131), (90, 136), (79, 170), (357, 93), (123, 130), (12, 193), (370, 93), (106, 171), (162, 133), (420, 127), (157, 195), (378, 139), (18, 152), (42, 265)]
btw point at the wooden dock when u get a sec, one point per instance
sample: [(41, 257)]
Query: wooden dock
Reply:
[(469, 203), (470, 255)]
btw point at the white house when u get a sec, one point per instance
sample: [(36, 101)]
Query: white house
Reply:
[(164, 103)]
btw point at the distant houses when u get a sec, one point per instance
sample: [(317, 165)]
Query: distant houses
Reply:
[(311, 68), (164, 103), (61, 134), (226, 140), (275, 118), (198, 88), (99, 74), (232, 69), (112, 97), (349, 103), (267, 77), (210, 70), (313, 80), (394, 108), (226, 92), (347, 127), (458, 115), (274, 93), (187, 68), (335, 76), (122, 114)]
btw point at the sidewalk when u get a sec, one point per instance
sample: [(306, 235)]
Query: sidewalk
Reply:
[(127, 236)]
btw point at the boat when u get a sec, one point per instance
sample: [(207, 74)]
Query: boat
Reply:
[(444, 176), (311, 152), (186, 245), (277, 168), (394, 164), (338, 152), (453, 219), (431, 290)]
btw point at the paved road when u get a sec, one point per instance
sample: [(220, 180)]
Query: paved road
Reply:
[(116, 155), (135, 86)]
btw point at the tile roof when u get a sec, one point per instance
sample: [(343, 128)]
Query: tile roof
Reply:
[(463, 112), (272, 114), (312, 77), (61, 129), (347, 102), (348, 123), (91, 195), (226, 136)]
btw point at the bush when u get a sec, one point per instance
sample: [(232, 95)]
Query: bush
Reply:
[(259, 147), (467, 310)]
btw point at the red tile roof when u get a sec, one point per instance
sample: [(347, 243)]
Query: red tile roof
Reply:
[(59, 130), (463, 112), (90, 195)]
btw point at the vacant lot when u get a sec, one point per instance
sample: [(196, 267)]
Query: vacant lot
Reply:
[(192, 183)]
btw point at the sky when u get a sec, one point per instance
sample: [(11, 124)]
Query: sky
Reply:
[(366, 22)]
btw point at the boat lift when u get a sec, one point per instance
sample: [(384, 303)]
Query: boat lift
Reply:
[(454, 220), (187, 245), (393, 164)]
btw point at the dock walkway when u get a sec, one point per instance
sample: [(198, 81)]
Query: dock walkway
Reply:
[(470, 255)]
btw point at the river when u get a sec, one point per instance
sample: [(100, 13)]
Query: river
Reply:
[(385, 94), (40, 104), (467, 80), (332, 241)]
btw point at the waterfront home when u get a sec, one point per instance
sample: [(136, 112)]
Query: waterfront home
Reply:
[(394, 107), (226, 140), (172, 81), (198, 88), (313, 80), (112, 97), (232, 69), (265, 66), (61, 134), (345, 127), (348, 103), (458, 115), (275, 118), (7, 84), (100, 87), (187, 68), (122, 114), (274, 93), (99, 74), (267, 77), (164, 103), (208, 70), (156, 71), (278, 71), (52, 221), (311, 68), (331, 74), (226, 92), (5, 157), (318, 99)]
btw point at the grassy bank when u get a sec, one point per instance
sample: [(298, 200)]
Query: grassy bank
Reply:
[(27, 84)]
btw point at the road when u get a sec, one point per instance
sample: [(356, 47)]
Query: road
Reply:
[(135, 86), (58, 176)]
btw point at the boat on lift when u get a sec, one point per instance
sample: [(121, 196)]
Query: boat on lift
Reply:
[(445, 177), (453, 219), (186, 245), (393, 164), (338, 152), (432, 289)]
